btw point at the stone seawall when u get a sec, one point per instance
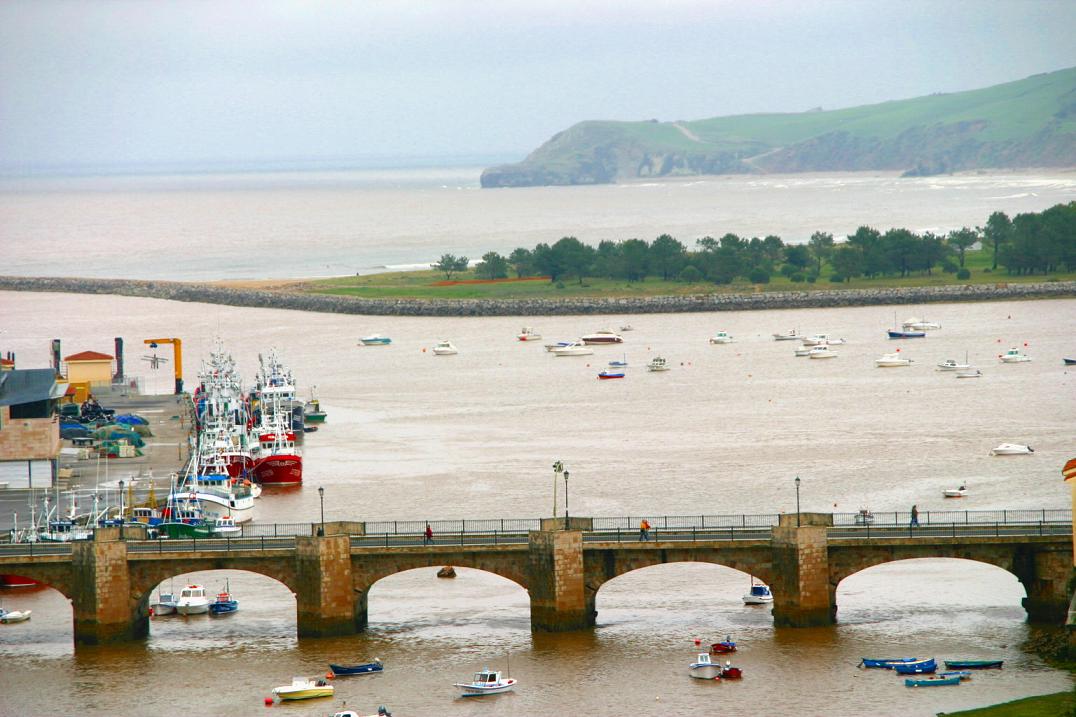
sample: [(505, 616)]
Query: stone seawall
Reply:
[(211, 294)]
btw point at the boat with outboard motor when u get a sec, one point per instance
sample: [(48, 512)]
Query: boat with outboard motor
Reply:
[(302, 688), (892, 360), (973, 664), (1012, 449), (8, 617), (757, 594), (363, 669), (528, 334), (485, 682), (931, 681), (573, 348), (703, 668), (1014, 355)]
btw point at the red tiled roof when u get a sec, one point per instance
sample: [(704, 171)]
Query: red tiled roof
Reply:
[(88, 356), (6, 362)]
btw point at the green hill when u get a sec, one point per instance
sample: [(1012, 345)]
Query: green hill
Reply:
[(1028, 123)]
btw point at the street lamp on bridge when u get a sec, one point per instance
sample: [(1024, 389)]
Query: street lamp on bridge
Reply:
[(558, 468), (321, 497), (797, 501), (565, 500)]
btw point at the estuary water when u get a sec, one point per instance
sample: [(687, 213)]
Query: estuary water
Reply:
[(413, 436), (304, 224)]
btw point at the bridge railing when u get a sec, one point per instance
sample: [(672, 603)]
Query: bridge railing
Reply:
[(664, 522), (484, 525), (35, 548), (949, 517), (980, 529)]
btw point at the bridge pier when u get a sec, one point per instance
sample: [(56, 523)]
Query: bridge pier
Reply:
[(1045, 575), (802, 594), (559, 602), (103, 609), (325, 601)]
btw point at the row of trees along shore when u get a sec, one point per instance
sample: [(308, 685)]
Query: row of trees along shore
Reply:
[(1028, 244)]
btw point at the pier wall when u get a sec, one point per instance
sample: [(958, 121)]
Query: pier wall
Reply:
[(765, 300)]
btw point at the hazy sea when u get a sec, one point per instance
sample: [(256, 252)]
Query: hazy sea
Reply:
[(332, 223)]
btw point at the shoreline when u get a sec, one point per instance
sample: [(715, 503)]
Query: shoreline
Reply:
[(283, 296)]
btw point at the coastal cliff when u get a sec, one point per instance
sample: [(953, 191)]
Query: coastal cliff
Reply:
[(1023, 124), (298, 301)]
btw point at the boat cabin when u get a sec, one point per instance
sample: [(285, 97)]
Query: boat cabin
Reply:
[(760, 591), (487, 678)]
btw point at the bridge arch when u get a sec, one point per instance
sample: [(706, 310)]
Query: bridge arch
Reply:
[(54, 575)]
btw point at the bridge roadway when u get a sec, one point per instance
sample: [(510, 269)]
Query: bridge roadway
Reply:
[(109, 579)]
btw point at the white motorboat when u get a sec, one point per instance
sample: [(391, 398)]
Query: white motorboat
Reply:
[(721, 337), (914, 324), (550, 347), (192, 600), (657, 363), (225, 527), (790, 335), (758, 594), (375, 340), (1014, 355), (486, 682), (803, 350), (952, 365), (444, 348), (575, 348), (303, 689), (821, 339), (956, 492), (969, 373), (891, 361), (1012, 449), (604, 336), (10, 616), (165, 604), (704, 669), (528, 334), (821, 351), (627, 327)]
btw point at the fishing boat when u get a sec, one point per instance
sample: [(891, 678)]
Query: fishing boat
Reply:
[(375, 340), (486, 682), (312, 411), (891, 360), (225, 527), (728, 672), (1014, 355), (445, 348), (1012, 449), (790, 335), (11, 616), (604, 336), (573, 348), (278, 460), (973, 664), (917, 668), (528, 334), (192, 600), (821, 351), (303, 689), (721, 337), (223, 604), (610, 374), (952, 365), (704, 669), (822, 339), (888, 663), (363, 669), (757, 594), (956, 492), (725, 646), (931, 681), (657, 363), (914, 324)]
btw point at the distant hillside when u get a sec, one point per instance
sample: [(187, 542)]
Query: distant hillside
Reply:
[(1028, 123)]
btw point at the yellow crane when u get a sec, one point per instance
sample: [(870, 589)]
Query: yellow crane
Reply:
[(177, 357)]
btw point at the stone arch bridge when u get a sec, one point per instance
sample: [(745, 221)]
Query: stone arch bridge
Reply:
[(109, 579)]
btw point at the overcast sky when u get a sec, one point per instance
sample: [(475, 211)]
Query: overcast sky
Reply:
[(150, 81)]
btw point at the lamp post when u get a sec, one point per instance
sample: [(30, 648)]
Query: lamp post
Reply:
[(121, 509), (797, 501), (565, 500), (321, 497), (558, 468)]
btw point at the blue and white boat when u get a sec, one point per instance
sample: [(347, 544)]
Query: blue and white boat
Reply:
[(364, 669), (927, 667), (223, 604), (704, 669), (889, 663), (906, 334), (375, 340), (759, 594), (486, 682), (931, 681)]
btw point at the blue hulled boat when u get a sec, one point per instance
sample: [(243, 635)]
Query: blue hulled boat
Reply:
[(223, 604), (364, 669), (888, 663), (973, 664), (903, 334), (927, 667), (931, 681)]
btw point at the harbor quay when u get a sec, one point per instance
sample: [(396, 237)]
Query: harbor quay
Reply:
[(331, 567)]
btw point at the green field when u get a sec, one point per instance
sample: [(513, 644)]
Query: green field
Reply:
[(1060, 704), (419, 285)]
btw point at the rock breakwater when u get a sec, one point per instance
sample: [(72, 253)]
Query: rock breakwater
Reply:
[(298, 301)]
